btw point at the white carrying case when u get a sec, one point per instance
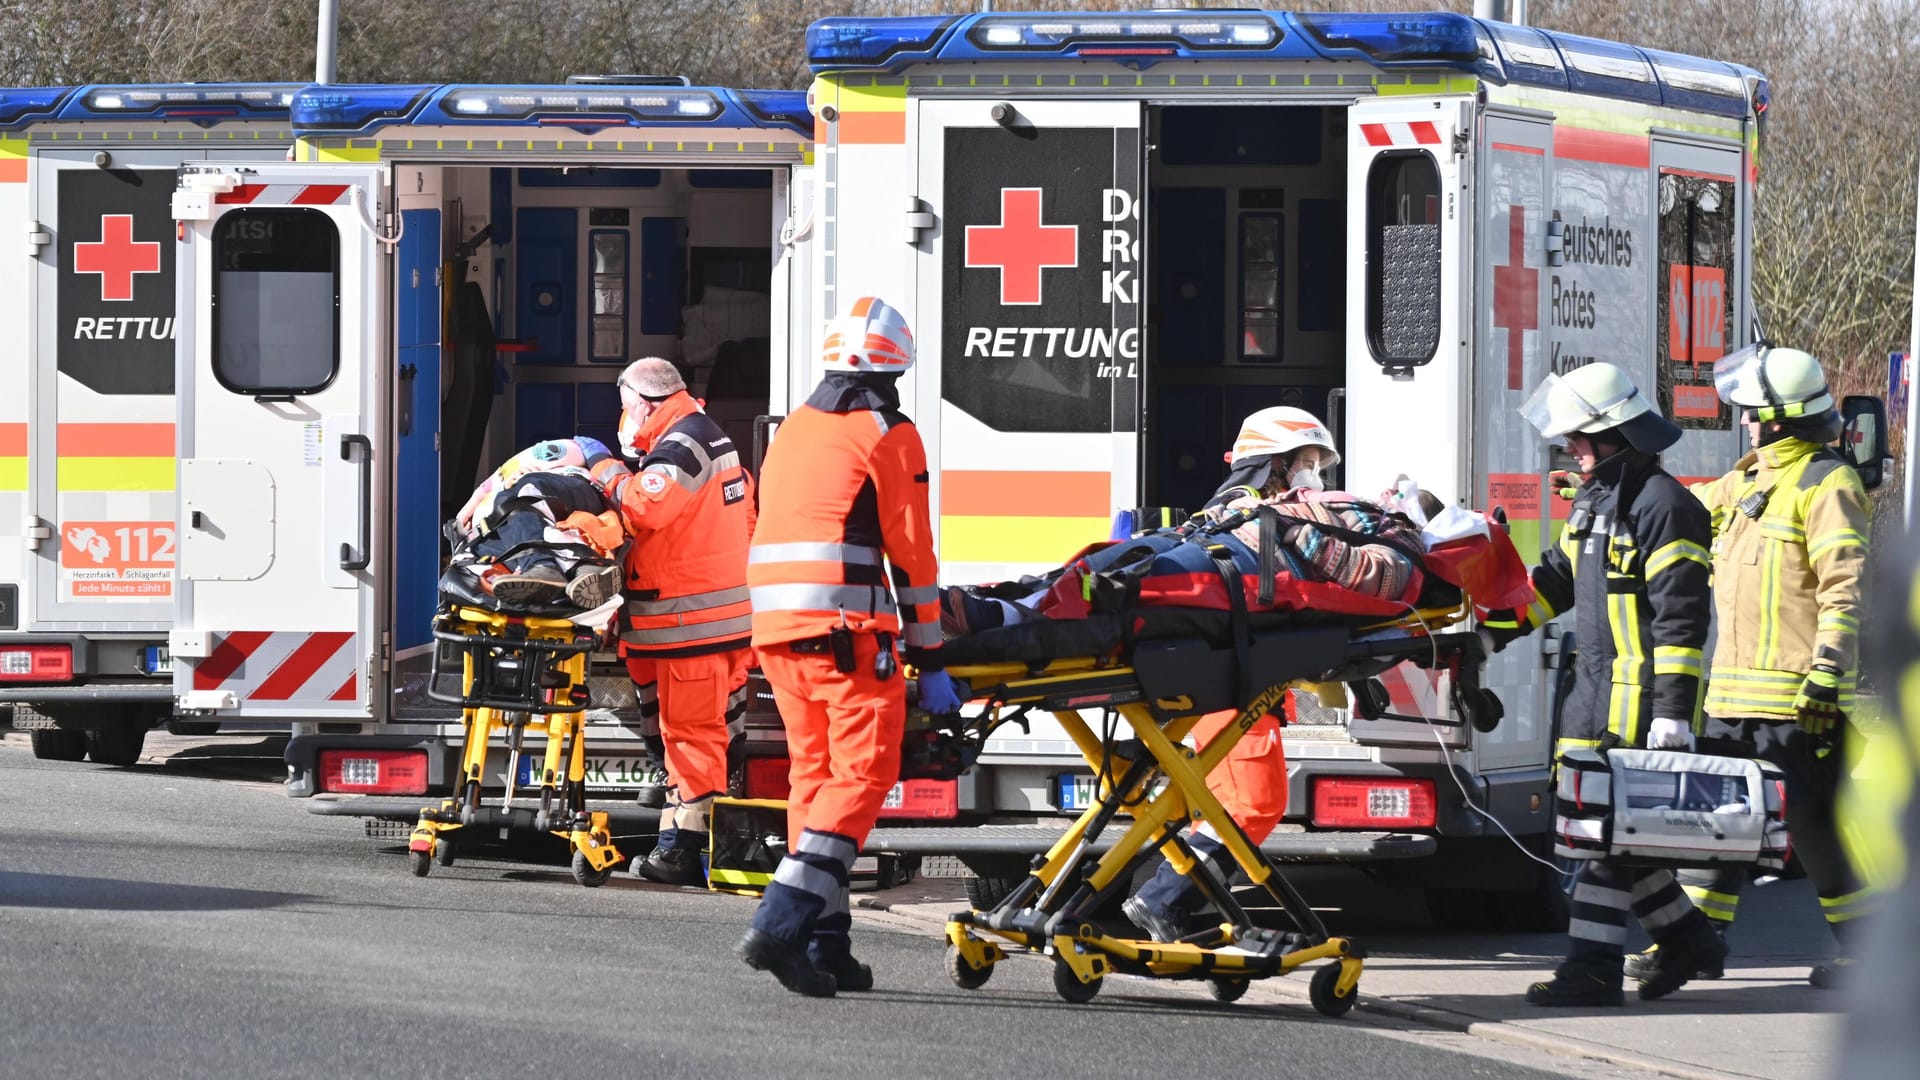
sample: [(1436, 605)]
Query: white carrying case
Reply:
[(1669, 808)]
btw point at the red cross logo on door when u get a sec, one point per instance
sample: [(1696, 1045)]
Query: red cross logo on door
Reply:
[(1020, 246), (1516, 296), (116, 257)]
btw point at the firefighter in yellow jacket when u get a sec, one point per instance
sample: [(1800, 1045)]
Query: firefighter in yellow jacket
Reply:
[(1789, 567)]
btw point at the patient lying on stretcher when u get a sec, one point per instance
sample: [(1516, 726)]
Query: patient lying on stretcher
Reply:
[(538, 536)]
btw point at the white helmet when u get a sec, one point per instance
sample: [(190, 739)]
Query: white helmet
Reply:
[(1595, 398), (1777, 384), (1281, 429), (871, 336)]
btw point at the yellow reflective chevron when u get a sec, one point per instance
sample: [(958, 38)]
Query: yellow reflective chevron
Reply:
[(1677, 551), (1677, 660)]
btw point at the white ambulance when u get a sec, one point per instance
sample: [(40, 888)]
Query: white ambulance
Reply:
[(440, 276), (1115, 235), (87, 542)]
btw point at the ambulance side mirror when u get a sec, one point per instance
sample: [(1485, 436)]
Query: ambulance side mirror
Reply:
[(1863, 439)]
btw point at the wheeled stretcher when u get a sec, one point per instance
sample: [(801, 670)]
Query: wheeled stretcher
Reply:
[(517, 673), (1152, 691)]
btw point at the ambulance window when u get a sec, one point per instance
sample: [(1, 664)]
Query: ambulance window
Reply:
[(1262, 241), (276, 300), (1403, 259), (609, 294)]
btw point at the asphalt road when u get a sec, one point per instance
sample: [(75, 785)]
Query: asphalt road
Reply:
[(187, 919)]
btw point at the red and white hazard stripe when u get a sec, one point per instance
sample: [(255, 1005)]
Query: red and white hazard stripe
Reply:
[(1401, 133), (285, 195), (263, 665)]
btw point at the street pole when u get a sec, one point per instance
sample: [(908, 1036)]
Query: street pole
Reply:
[(1506, 11), (328, 35)]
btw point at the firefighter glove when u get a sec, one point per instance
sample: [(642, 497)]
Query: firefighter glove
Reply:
[(939, 693), (1670, 735), (1564, 484), (1819, 701)]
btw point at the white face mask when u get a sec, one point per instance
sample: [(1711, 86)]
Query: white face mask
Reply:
[(1307, 476)]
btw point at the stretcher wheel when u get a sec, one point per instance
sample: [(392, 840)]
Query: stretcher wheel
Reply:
[(965, 975), (1069, 986), (420, 863), (443, 852), (1227, 991), (585, 874), (1325, 995)]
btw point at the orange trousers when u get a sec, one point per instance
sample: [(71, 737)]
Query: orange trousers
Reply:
[(693, 715), (843, 736), (1252, 783)]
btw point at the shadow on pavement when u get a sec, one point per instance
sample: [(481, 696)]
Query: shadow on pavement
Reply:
[(1704, 999), (27, 890)]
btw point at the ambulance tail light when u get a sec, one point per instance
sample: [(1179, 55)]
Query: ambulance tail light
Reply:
[(767, 778), (1123, 36), (36, 663), (855, 42), (1356, 802), (1415, 38), (374, 772)]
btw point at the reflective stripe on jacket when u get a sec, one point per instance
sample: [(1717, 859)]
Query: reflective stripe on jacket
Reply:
[(1787, 585), (841, 492), (1633, 562), (690, 510)]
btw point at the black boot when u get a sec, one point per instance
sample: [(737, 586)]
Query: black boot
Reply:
[(789, 963), (1697, 956), (848, 974), (1577, 984), (1645, 965), (673, 866)]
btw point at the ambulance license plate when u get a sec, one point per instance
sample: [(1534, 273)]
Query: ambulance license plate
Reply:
[(158, 660), (1073, 791), (604, 772)]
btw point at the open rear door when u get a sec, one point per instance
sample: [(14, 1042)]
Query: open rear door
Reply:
[(284, 454)]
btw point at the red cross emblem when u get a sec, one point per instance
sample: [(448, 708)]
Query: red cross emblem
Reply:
[(1516, 296), (1020, 246), (116, 257)]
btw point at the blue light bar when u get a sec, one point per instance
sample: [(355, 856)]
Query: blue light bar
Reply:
[(859, 43), (354, 110), (201, 103), (1428, 38), (1095, 34), (23, 105), (1595, 66), (1688, 82)]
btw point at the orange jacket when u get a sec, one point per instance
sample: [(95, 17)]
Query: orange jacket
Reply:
[(843, 486), (689, 508)]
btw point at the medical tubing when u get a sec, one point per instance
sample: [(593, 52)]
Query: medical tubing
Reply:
[(1447, 754), (358, 196)]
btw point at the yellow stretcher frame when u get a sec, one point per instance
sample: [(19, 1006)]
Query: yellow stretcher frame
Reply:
[(558, 659), (1046, 913)]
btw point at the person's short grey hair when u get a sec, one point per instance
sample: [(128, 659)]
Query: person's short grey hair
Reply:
[(652, 377)]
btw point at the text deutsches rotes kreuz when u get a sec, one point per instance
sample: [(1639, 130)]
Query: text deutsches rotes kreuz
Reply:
[(1119, 284)]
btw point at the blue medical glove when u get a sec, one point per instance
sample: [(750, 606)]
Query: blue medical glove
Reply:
[(939, 693)]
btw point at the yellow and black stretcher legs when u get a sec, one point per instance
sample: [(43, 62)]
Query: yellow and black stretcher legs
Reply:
[(518, 674), (1049, 910)]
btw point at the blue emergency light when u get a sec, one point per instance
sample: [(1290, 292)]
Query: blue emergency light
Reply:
[(200, 103), (23, 105), (578, 106), (1496, 52)]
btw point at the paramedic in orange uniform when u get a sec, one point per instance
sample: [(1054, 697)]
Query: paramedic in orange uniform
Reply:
[(689, 508), (1279, 449), (845, 509)]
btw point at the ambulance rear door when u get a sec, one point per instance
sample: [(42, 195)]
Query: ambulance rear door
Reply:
[(285, 456), (1408, 180), (1028, 225)]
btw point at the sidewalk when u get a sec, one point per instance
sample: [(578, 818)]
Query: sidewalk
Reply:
[(1763, 1020)]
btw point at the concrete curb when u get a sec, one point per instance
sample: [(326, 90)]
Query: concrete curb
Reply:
[(1425, 1015)]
